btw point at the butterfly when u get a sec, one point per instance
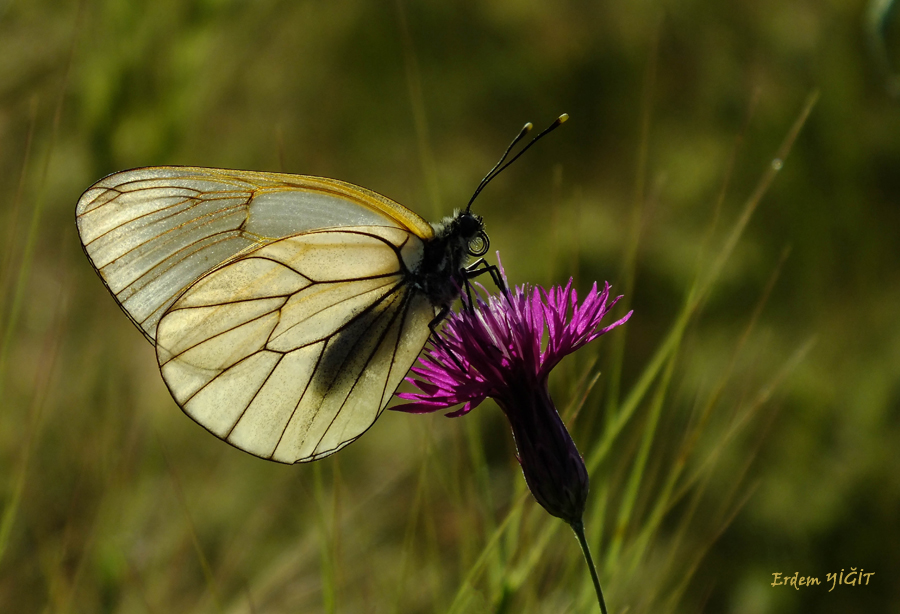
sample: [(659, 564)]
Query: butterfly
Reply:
[(285, 309)]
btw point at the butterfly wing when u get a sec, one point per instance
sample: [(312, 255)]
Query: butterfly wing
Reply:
[(152, 232), (278, 336)]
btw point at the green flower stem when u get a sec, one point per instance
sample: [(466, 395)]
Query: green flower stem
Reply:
[(578, 527)]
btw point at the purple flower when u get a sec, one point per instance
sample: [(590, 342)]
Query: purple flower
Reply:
[(498, 349)]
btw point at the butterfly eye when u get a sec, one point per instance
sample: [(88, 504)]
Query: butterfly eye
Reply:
[(479, 244)]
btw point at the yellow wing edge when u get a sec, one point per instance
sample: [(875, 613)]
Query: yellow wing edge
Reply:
[(264, 181)]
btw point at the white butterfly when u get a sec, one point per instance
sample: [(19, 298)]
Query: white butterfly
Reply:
[(285, 309)]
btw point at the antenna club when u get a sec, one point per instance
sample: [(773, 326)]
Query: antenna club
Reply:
[(500, 166)]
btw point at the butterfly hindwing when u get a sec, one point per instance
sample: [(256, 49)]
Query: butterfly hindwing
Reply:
[(292, 350)]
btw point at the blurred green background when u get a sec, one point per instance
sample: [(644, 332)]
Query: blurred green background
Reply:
[(114, 501)]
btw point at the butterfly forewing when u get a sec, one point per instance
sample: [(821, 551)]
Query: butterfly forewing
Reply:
[(151, 233), (292, 350)]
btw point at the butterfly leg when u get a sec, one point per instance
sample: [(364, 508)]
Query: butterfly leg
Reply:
[(439, 341), (438, 319), (477, 268), (480, 267)]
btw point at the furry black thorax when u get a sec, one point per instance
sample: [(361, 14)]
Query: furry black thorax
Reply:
[(441, 274)]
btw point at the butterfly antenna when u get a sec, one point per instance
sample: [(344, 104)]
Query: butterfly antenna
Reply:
[(499, 169), (487, 178)]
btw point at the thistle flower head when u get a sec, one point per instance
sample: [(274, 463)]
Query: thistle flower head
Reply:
[(504, 347)]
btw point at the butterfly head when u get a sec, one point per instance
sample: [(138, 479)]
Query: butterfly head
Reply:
[(468, 228)]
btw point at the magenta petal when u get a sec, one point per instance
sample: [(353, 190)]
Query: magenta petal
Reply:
[(465, 409), (422, 407)]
